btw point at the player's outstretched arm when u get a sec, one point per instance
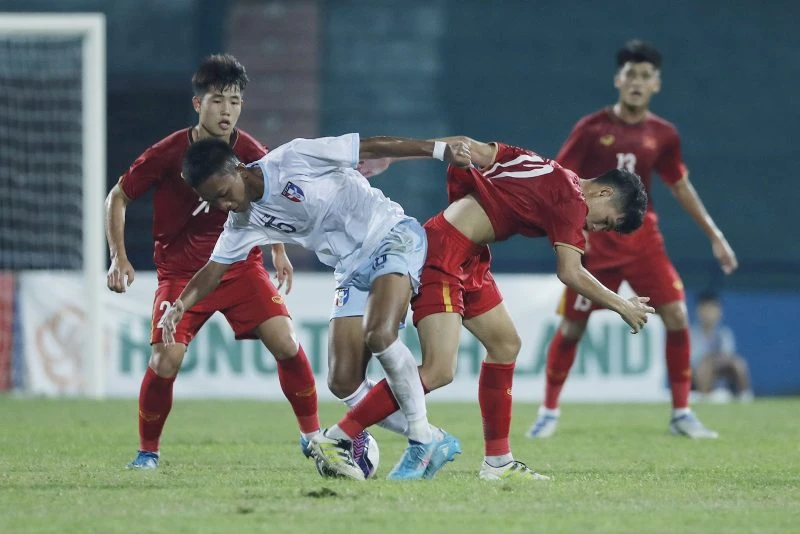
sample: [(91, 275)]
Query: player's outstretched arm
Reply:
[(456, 153), (202, 283), (481, 154), (571, 272), (687, 197), (120, 273)]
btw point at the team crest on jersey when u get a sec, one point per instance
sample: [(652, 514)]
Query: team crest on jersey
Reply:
[(293, 192), (649, 142), (607, 140), (341, 296)]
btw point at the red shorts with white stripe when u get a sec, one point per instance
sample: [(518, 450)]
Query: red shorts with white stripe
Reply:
[(456, 277)]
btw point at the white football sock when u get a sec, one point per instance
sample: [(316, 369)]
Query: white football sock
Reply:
[(309, 435), (499, 460), (396, 422), (678, 412), (335, 432), (403, 378)]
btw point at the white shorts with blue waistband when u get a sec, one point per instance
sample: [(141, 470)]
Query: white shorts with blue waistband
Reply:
[(402, 251)]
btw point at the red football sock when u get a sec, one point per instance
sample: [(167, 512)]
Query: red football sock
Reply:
[(494, 396), (155, 402), (297, 383), (378, 404), (678, 367), (560, 357)]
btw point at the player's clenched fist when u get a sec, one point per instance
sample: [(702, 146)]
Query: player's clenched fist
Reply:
[(170, 320), (458, 153), (635, 313), (120, 269)]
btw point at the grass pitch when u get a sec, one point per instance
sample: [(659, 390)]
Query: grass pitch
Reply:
[(232, 466)]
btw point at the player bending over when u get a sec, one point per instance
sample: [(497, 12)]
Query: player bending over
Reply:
[(513, 191)]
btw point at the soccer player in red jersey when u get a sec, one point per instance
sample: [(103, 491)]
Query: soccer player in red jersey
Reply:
[(514, 191), (185, 230), (628, 136)]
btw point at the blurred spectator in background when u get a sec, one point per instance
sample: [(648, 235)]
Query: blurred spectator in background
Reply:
[(719, 372)]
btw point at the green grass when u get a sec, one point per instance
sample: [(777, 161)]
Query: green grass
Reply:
[(236, 467)]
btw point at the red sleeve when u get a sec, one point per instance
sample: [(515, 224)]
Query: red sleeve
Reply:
[(566, 225), (567, 216), (145, 171), (572, 151), (670, 166)]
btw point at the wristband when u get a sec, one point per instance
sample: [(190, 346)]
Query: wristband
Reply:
[(438, 150)]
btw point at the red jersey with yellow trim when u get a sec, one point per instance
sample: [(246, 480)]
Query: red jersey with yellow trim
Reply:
[(524, 193), (600, 142), (185, 228)]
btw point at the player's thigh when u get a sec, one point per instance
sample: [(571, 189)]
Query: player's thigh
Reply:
[(248, 301), (278, 335), (167, 292), (348, 357), (496, 331), (439, 335)]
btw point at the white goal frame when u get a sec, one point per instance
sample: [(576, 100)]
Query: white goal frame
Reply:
[(91, 27)]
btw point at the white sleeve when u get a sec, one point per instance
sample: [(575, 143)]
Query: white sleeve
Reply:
[(316, 156), (234, 244)]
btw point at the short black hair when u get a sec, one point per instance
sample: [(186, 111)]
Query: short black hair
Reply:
[(708, 296), (631, 197), (219, 72), (637, 51), (206, 158)]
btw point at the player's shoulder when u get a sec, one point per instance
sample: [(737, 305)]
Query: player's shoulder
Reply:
[(246, 147), (175, 143), (661, 124), (600, 117)]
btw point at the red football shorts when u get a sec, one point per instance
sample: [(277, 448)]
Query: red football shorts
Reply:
[(456, 275), (246, 299), (651, 275)]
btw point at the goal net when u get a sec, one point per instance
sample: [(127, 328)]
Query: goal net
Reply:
[(52, 184)]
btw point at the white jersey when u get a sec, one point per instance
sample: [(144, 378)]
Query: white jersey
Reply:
[(313, 197)]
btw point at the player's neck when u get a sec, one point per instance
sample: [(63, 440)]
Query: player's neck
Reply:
[(629, 114), (198, 133), (254, 183)]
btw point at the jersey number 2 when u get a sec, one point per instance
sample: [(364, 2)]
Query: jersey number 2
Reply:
[(165, 305)]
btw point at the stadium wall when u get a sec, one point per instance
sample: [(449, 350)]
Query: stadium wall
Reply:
[(612, 364)]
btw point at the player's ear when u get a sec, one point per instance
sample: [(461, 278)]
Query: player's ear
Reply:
[(606, 191), (657, 84), (196, 103)]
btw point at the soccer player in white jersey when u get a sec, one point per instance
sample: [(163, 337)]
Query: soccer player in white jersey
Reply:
[(308, 192)]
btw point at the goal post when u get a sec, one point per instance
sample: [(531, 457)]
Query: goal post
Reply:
[(90, 30)]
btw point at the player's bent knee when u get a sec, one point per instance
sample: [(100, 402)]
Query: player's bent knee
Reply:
[(343, 386), (436, 377), (572, 329), (284, 347), (674, 315), (166, 360), (379, 339)]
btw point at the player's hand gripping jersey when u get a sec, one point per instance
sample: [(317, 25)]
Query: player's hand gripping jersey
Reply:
[(524, 193)]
